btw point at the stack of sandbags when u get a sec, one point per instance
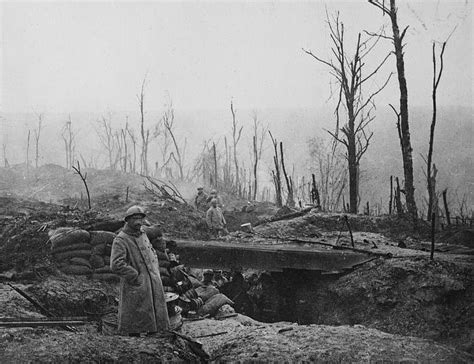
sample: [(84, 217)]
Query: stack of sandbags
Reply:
[(72, 249), (79, 252), (101, 242)]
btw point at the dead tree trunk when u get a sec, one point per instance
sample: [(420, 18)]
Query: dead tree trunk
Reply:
[(391, 196), (106, 136), (257, 144), (144, 133), (398, 199), (5, 159), (125, 148), (348, 72), (214, 154), (446, 209), (290, 200), (276, 173), (236, 134), (28, 151), (436, 79), (37, 132), (68, 138), (403, 124)]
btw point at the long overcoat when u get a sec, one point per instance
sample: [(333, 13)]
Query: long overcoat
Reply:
[(142, 306)]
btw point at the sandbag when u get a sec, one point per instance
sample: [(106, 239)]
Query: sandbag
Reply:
[(71, 254), (59, 231), (96, 261), (62, 249), (98, 249), (108, 277), (213, 304), (206, 292), (164, 272), (80, 261), (101, 237), (77, 270), (103, 270), (69, 237)]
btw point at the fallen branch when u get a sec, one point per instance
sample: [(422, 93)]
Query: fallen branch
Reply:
[(210, 335), (163, 190), (285, 217)]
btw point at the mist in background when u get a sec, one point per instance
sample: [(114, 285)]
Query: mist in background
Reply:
[(88, 60)]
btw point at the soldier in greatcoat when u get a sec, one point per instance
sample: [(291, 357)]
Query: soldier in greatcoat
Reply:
[(142, 305)]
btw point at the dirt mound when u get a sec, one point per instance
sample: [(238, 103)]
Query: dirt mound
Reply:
[(24, 231), (405, 296), (41, 345), (247, 341)]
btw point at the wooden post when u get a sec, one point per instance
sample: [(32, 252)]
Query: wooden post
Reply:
[(433, 223)]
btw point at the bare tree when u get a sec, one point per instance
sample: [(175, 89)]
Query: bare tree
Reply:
[(28, 151), (349, 74), (429, 164), (106, 136), (123, 136), (133, 163), (144, 133), (83, 178), (290, 200), (258, 139), (179, 152), (331, 174), (276, 175), (69, 142), (236, 134), (5, 160), (402, 114), (37, 133)]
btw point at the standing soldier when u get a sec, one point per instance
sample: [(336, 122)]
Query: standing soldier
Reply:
[(215, 196), (200, 201), (215, 219), (142, 305)]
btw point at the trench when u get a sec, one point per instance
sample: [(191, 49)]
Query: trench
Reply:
[(292, 295)]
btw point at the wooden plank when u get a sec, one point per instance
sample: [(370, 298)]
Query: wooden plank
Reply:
[(22, 323), (225, 255)]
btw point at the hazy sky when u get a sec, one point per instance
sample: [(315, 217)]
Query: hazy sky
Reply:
[(92, 56)]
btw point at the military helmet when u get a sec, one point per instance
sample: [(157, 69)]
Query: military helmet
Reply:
[(134, 210)]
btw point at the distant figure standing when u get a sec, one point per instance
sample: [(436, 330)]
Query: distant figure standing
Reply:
[(215, 219), (215, 196), (200, 201), (142, 305)]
